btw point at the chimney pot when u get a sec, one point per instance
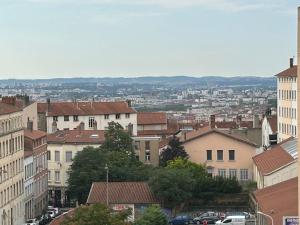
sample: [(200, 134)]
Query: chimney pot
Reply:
[(291, 62)]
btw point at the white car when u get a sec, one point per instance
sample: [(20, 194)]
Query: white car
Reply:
[(51, 213), (51, 208), (232, 220)]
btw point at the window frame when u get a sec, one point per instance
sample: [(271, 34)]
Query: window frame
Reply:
[(220, 151)]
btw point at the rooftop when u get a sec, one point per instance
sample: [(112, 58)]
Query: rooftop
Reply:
[(76, 137), (34, 134), (279, 200), (274, 158), (290, 72), (8, 109), (148, 118), (272, 120), (121, 193), (84, 108)]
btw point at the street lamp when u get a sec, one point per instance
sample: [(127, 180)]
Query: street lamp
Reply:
[(106, 168), (264, 214)]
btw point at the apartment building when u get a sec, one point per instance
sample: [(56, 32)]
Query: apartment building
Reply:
[(62, 148), (11, 165), (147, 149), (35, 141), (28, 185), (287, 102), (224, 154), (53, 116)]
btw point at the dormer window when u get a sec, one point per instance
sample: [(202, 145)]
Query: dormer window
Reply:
[(118, 116), (75, 118), (66, 118), (55, 118)]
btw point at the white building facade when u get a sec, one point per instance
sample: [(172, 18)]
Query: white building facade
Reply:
[(29, 185), (11, 166)]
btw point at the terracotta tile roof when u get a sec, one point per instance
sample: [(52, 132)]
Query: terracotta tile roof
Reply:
[(155, 132), (7, 109), (76, 137), (149, 118), (35, 134), (121, 193), (290, 72), (272, 120), (60, 219), (189, 136), (272, 159), (84, 108), (281, 199)]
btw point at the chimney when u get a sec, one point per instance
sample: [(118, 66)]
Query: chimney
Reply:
[(256, 121), (128, 102), (212, 121), (291, 62), (29, 125), (48, 104), (54, 126)]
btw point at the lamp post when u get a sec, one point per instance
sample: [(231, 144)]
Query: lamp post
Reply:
[(106, 168), (264, 214)]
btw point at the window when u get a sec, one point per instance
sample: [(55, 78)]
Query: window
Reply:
[(55, 118), (147, 145), (91, 122), (208, 154), (57, 176), (75, 118), (118, 116), (227, 221), (220, 155), (48, 155), (244, 174), (127, 115), (49, 175), (57, 156), (232, 172), (106, 116), (210, 171), (66, 118), (231, 154), (222, 172), (147, 155), (69, 156)]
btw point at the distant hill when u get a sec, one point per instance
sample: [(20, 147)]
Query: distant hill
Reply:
[(169, 80)]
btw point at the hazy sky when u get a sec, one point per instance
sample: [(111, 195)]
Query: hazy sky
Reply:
[(68, 38)]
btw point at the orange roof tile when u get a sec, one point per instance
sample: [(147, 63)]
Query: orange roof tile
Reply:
[(84, 108), (34, 134), (272, 159), (121, 193), (272, 120), (281, 199), (290, 72), (148, 118), (8, 109), (77, 137)]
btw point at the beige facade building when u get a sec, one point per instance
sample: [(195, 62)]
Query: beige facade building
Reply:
[(11, 165), (287, 102), (298, 104), (62, 148), (224, 154)]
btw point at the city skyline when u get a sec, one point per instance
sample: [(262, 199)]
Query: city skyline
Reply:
[(112, 38)]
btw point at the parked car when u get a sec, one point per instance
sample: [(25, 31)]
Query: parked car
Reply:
[(209, 219), (45, 219), (55, 209), (232, 220), (51, 213), (181, 220), (32, 222)]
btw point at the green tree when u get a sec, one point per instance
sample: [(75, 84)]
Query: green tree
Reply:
[(97, 214), (117, 139), (173, 186), (152, 216), (173, 151)]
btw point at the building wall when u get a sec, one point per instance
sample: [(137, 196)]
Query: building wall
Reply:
[(286, 107), (61, 166), (153, 127), (30, 112), (11, 163), (29, 187), (197, 151), (281, 175), (102, 123), (257, 177), (266, 131), (298, 104), (147, 153)]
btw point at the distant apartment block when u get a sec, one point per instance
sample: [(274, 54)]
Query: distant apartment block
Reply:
[(11, 164), (53, 116), (287, 102)]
